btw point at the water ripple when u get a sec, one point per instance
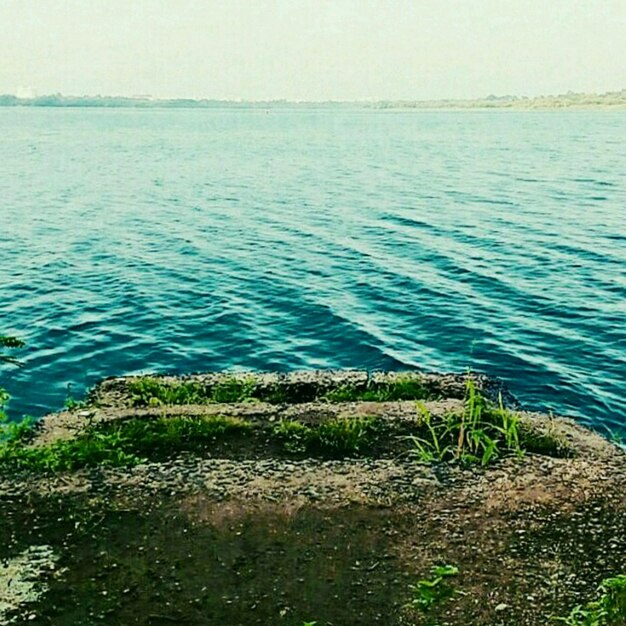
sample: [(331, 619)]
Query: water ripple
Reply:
[(197, 240)]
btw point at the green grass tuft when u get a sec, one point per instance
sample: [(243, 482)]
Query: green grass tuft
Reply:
[(608, 610), (430, 591), (339, 437), (547, 443), (118, 443), (345, 436), (402, 388), (131, 441), (71, 403), (234, 390), (294, 436), (480, 434), (153, 392)]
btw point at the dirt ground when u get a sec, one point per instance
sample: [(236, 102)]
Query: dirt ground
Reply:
[(215, 541)]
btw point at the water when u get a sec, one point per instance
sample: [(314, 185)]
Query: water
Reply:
[(187, 240)]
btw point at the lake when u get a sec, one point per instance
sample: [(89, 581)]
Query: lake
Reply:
[(293, 238)]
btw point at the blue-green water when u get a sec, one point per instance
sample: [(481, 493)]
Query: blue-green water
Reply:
[(186, 240)]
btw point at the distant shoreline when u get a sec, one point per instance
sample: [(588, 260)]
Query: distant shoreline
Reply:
[(577, 101)]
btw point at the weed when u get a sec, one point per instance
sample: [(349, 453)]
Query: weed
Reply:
[(4, 399), (608, 610), (432, 447), (481, 433), (153, 392), (118, 443), (344, 437), (337, 437), (71, 404), (402, 388), (150, 391), (275, 394), (11, 343), (293, 435), (68, 454), (548, 443), (234, 390), (430, 591), (15, 433), (165, 435), (128, 442)]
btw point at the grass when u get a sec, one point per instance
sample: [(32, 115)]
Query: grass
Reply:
[(294, 436), (153, 392), (480, 434), (15, 433), (402, 388), (7, 343), (118, 443), (4, 399), (430, 591), (345, 437), (234, 390), (131, 441), (339, 437), (547, 443), (71, 403), (608, 610), (150, 391)]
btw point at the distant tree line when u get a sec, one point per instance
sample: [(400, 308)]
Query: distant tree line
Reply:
[(59, 100), (570, 99)]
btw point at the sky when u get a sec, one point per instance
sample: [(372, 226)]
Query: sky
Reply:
[(312, 49)]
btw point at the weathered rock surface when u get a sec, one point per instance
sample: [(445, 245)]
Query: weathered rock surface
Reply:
[(226, 539)]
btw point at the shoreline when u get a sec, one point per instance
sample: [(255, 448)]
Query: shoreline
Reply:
[(615, 100), (332, 519), (333, 106)]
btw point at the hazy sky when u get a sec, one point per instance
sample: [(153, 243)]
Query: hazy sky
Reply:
[(312, 49)]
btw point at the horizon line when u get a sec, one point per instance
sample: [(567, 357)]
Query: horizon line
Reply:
[(370, 100)]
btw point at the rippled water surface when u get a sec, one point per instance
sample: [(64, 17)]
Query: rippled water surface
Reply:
[(141, 240)]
